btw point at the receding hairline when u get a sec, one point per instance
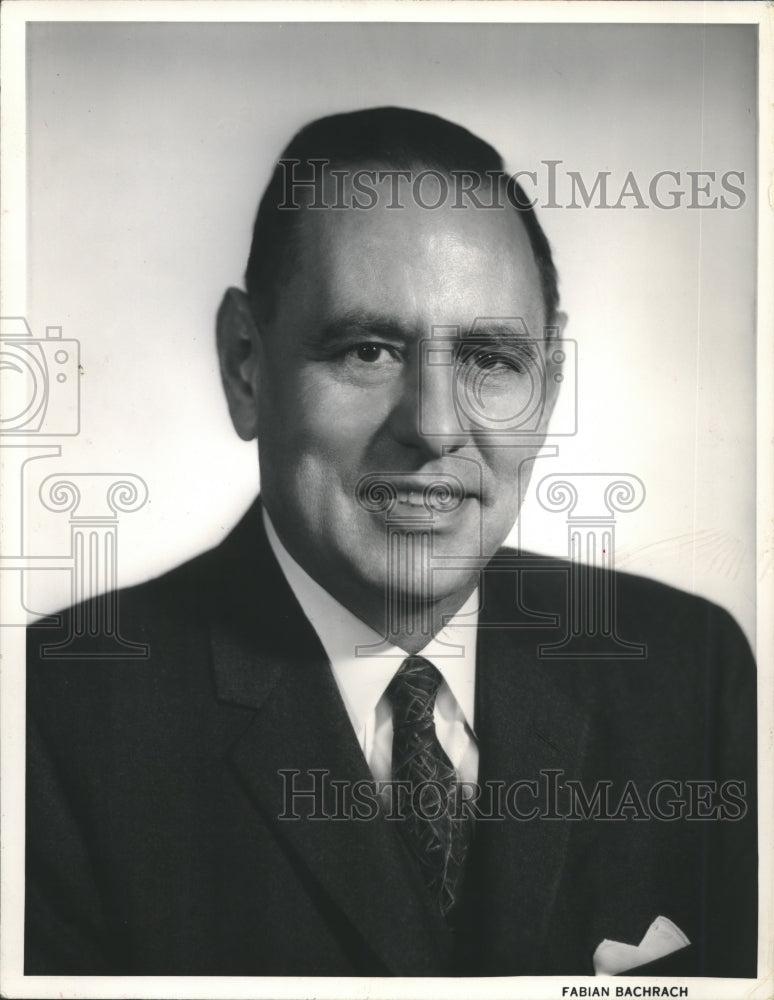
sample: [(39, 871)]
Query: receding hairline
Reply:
[(391, 140), (311, 223), (333, 188)]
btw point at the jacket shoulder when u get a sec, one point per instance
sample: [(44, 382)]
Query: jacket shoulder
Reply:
[(636, 598)]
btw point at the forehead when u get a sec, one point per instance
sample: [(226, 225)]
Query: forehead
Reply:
[(418, 266)]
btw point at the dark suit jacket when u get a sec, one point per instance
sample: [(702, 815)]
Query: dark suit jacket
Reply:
[(154, 843)]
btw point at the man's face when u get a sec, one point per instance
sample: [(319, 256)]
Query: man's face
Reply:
[(345, 390)]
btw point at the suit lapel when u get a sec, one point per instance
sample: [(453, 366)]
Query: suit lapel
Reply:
[(527, 729), (266, 656)]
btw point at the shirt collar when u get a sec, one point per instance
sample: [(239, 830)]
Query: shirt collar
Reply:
[(362, 662)]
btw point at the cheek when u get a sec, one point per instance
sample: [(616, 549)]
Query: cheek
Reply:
[(510, 469), (312, 420)]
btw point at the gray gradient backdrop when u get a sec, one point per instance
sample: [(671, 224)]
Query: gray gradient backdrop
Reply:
[(149, 145)]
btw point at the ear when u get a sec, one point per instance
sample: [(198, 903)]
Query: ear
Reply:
[(554, 361), (239, 348), (556, 329)]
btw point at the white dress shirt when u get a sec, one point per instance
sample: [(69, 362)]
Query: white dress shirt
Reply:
[(363, 676)]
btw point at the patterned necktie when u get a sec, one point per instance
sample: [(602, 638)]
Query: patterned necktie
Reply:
[(435, 824)]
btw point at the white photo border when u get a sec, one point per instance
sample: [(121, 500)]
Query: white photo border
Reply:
[(15, 17)]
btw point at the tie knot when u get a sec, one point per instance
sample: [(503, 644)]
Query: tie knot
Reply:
[(413, 690)]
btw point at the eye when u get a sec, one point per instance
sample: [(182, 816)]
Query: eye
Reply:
[(371, 353), (368, 362), (496, 361)]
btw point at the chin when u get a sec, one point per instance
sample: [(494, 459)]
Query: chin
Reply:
[(411, 567), (417, 583)]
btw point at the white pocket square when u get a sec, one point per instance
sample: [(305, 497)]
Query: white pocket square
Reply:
[(663, 937)]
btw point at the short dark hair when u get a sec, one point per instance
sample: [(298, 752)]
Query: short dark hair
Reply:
[(402, 139)]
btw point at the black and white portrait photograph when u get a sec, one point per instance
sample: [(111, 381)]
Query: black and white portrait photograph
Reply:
[(386, 517)]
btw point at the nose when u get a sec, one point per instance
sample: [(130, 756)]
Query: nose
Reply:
[(426, 416)]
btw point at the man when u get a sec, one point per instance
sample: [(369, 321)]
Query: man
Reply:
[(346, 753)]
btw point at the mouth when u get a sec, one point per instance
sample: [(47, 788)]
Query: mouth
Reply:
[(414, 498), (437, 493)]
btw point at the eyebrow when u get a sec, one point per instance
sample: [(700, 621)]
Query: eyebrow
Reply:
[(500, 331), (363, 321)]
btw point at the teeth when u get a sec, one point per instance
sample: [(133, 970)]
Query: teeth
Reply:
[(411, 497)]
